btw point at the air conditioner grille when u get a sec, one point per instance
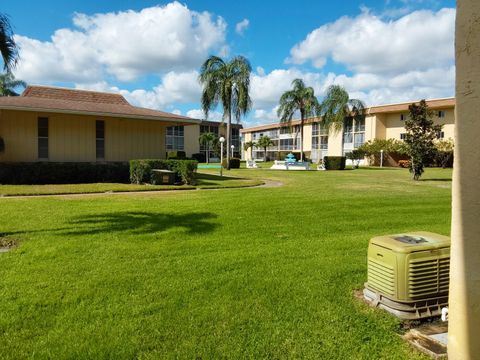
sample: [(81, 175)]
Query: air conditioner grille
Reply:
[(428, 277), (381, 277)]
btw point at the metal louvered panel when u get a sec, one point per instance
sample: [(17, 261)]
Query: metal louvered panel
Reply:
[(381, 277), (428, 277)]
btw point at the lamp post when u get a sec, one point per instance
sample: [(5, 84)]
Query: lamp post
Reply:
[(232, 147), (222, 140), (381, 158)]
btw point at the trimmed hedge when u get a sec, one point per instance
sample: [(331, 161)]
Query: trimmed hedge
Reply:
[(141, 170), (234, 163), (334, 162), (200, 157), (176, 155), (38, 173)]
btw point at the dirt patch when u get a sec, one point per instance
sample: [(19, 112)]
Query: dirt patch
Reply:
[(7, 243)]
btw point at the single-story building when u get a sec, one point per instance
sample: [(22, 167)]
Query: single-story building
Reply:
[(68, 125)]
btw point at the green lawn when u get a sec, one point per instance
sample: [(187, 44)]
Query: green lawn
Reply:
[(204, 181), (238, 273)]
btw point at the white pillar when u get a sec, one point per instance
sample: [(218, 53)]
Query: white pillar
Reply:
[(464, 301)]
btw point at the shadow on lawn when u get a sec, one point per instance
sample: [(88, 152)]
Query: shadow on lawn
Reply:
[(141, 222), (133, 222)]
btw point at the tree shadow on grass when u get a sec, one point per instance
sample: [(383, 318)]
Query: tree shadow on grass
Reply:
[(141, 222)]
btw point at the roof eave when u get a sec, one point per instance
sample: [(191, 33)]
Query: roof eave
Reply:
[(97, 113)]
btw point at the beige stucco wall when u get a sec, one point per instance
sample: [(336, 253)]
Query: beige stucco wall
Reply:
[(72, 137), (394, 126), (335, 143), (464, 296), (191, 135)]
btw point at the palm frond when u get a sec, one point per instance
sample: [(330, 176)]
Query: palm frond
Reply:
[(8, 47)]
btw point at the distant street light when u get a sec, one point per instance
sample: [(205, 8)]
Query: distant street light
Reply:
[(222, 140), (381, 158), (232, 147)]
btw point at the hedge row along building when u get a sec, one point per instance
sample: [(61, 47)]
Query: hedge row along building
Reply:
[(381, 122), (69, 125)]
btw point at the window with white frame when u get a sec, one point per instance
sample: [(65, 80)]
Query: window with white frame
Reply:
[(441, 114), (174, 138)]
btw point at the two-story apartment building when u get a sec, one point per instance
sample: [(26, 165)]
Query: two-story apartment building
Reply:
[(380, 122)]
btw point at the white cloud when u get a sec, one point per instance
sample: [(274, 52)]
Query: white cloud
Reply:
[(175, 88), (266, 89), (199, 114), (369, 44), (242, 26), (125, 44)]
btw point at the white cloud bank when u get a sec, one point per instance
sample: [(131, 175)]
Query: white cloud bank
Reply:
[(125, 45), (405, 59)]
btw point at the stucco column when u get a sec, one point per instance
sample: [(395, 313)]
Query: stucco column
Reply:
[(464, 302)]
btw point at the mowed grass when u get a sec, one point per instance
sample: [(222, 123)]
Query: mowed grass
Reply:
[(235, 273), (204, 181)]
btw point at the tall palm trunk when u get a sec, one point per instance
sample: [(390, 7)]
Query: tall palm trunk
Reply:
[(302, 120), (229, 137), (208, 152)]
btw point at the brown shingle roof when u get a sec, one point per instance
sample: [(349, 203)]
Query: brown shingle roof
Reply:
[(61, 100)]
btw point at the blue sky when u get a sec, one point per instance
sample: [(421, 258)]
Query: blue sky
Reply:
[(382, 51)]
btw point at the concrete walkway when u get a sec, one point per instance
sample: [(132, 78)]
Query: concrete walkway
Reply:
[(266, 184)]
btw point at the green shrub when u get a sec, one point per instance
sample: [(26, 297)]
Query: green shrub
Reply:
[(34, 173), (141, 170), (176, 155), (200, 157), (234, 163), (334, 162)]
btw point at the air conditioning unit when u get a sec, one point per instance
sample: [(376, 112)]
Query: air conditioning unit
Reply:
[(408, 274)]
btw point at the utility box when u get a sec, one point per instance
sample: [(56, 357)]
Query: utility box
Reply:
[(408, 274), (162, 177)]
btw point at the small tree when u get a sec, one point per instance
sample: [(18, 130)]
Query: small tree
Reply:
[(207, 139), (264, 142), (373, 148), (249, 145), (444, 151), (356, 156), (420, 136)]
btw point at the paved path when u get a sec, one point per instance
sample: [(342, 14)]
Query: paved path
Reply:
[(266, 184)]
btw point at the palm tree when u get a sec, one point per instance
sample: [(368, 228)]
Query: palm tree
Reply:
[(337, 105), (249, 145), (8, 47), (8, 83), (264, 142), (227, 83), (207, 138), (300, 98)]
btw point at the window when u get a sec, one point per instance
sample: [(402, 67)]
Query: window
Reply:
[(348, 131), (440, 134), (174, 138), (403, 117), (358, 139), (285, 130), (441, 114), (100, 139), (43, 138), (402, 136), (287, 144)]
